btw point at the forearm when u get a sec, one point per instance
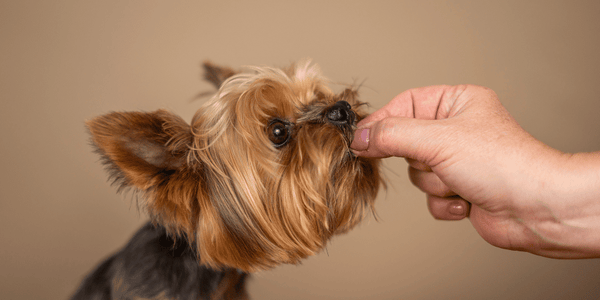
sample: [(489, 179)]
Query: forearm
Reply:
[(564, 222)]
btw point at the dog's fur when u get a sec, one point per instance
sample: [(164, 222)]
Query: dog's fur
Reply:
[(263, 176)]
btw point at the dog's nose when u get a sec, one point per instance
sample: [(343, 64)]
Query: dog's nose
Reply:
[(341, 113)]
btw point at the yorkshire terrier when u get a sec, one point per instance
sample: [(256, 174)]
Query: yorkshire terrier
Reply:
[(263, 176)]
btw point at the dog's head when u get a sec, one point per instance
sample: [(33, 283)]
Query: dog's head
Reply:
[(263, 175)]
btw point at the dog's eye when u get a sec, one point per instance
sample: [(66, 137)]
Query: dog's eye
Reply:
[(279, 132)]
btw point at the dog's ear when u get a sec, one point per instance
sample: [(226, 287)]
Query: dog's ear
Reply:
[(217, 74), (148, 152)]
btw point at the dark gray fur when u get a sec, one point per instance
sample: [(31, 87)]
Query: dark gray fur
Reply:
[(155, 266)]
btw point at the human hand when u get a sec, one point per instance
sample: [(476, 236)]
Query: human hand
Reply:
[(472, 159)]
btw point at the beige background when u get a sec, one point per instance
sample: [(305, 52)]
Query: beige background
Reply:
[(62, 62)]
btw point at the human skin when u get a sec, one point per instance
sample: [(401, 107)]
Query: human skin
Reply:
[(473, 160)]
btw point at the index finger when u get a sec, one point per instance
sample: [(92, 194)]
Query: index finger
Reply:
[(420, 103)]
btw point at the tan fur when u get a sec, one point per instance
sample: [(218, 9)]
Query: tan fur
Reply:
[(222, 184)]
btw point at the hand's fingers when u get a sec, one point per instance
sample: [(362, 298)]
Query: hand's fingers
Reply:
[(403, 126), (431, 102), (404, 137), (418, 165), (429, 183), (452, 208)]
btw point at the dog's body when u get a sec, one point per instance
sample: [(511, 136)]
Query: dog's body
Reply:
[(263, 176), (155, 266)]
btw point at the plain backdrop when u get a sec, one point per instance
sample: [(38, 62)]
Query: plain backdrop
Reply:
[(62, 62)]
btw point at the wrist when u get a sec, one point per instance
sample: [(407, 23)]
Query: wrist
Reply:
[(561, 215)]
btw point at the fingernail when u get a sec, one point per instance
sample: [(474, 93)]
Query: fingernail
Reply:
[(361, 139), (457, 209)]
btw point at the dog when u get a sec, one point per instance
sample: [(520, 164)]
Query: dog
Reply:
[(262, 176)]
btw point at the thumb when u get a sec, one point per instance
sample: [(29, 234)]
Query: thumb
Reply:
[(417, 139)]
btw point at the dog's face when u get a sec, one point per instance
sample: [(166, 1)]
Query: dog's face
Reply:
[(264, 174)]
